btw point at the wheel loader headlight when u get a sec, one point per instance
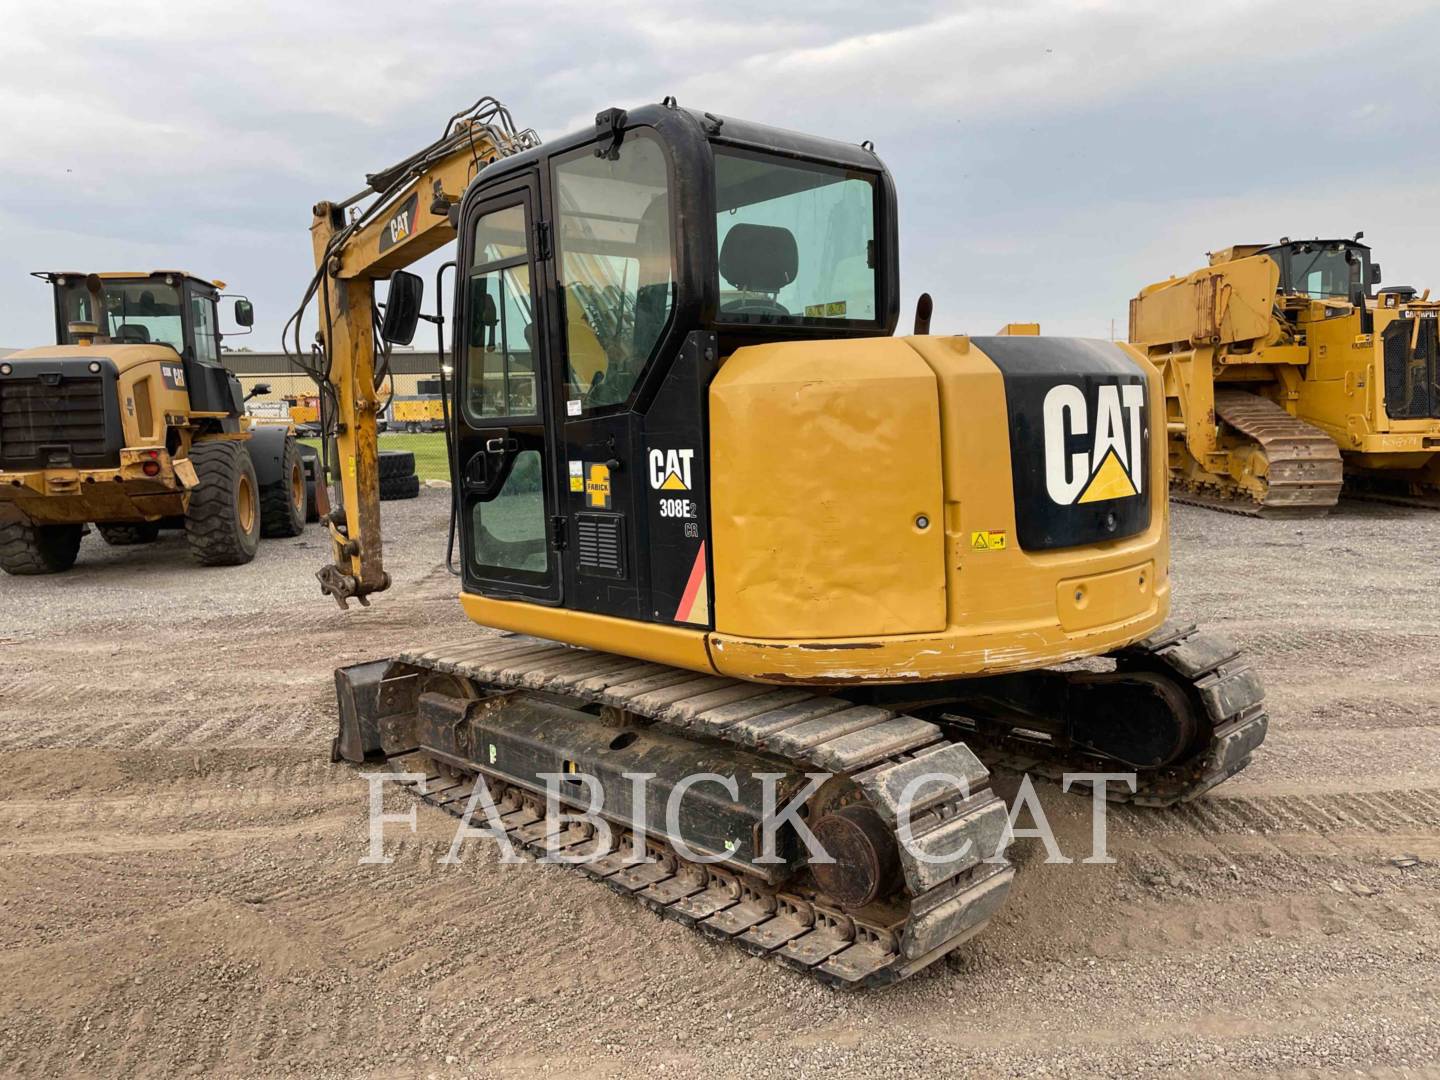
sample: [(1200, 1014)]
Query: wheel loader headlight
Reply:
[(5, 369), (94, 367)]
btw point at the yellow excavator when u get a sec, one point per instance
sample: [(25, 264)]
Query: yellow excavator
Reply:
[(729, 527), (1288, 373)]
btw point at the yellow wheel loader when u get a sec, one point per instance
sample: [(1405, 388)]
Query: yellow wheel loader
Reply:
[(1289, 373), (130, 422), (733, 535)]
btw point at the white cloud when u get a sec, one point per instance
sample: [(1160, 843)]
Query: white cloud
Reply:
[(1051, 154), (1007, 58)]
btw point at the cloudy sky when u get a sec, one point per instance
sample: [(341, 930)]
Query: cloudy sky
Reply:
[(1051, 157)]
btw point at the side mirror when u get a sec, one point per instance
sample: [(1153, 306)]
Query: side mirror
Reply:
[(258, 389), (1374, 273), (244, 313), (402, 308)]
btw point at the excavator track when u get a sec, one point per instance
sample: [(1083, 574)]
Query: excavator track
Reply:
[(1304, 469), (1219, 681), (942, 904), (876, 751)]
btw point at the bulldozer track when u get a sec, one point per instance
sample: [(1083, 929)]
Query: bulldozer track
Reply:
[(1304, 474), (1364, 488)]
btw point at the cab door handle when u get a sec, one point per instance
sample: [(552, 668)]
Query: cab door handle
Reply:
[(501, 446)]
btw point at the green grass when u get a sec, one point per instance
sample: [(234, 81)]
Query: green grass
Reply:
[(428, 448)]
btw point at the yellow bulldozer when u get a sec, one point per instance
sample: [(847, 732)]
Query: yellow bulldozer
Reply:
[(131, 422), (1290, 372), (728, 529)]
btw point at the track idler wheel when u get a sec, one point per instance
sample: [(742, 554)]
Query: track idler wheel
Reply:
[(867, 860), (1144, 719)]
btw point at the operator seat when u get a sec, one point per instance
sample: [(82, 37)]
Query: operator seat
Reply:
[(758, 259), (132, 334)]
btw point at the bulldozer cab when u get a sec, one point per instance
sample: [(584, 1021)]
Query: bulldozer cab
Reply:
[(601, 280), (1325, 269), (164, 308)]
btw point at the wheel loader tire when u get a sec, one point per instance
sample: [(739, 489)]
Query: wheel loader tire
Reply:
[(124, 534), (222, 524), (396, 463), (283, 503), (399, 487), (27, 548)]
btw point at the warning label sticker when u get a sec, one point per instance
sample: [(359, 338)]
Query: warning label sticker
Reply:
[(988, 540), (834, 309), (577, 476)]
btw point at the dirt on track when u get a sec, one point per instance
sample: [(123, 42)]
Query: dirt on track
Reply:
[(180, 889)]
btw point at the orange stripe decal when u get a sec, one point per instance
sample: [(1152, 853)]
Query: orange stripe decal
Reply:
[(694, 590)]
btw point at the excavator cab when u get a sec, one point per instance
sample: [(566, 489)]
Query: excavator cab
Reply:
[(602, 277)]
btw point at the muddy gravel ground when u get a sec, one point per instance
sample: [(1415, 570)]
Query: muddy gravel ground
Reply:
[(180, 889)]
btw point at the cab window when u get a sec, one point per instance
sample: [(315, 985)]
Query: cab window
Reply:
[(615, 265), (1320, 271), (134, 312), (796, 240), (202, 316), (500, 335)]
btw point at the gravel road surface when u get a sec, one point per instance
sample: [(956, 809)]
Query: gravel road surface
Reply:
[(180, 889)]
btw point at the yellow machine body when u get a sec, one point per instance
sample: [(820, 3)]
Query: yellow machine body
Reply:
[(866, 485), (1238, 325), (149, 405), (418, 411)]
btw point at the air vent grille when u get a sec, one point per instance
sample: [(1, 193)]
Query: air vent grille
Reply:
[(600, 544)]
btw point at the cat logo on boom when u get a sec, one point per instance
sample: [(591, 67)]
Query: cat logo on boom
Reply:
[(401, 224), (1094, 459)]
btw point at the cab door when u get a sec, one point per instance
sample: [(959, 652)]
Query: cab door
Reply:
[(505, 465)]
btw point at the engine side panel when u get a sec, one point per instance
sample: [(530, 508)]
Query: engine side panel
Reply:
[(826, 491)]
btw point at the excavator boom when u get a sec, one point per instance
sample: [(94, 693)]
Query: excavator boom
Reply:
[(408, 217)]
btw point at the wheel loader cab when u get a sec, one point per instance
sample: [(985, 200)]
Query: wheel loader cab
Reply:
[(165, 308), (685, 431)]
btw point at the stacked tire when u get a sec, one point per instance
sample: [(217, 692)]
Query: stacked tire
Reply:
[(397, 475)]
